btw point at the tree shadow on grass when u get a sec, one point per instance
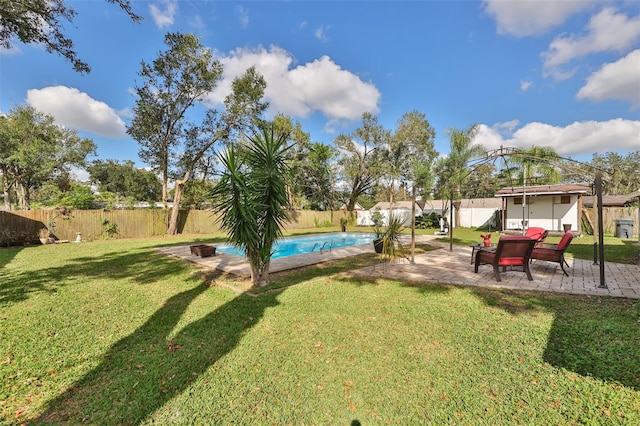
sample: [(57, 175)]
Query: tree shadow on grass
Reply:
[(7, 254), (591, 336), (139, 266), (144, 370)]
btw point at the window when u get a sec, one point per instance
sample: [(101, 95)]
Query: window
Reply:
[(562, 199), (517, 200)]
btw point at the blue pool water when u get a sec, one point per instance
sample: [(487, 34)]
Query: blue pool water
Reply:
[(292, 246)]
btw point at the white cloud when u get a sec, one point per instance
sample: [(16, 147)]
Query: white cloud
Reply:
[(196, 23), (243, 16), (578, 138), (530, 18), (525, 85), (164, 12), (77, 110), (618, 80), (318, 86), (321, 33), (13, 50), (607, 31)]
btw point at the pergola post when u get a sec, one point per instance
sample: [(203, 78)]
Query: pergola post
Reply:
[(598, 185)]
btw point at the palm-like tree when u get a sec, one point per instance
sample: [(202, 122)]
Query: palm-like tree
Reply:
[(251, 197), (537, 164), (452, 170)]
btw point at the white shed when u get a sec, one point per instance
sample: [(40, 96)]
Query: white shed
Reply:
[(552, 207)]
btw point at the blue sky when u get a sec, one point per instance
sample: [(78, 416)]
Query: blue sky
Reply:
[(564, 74)]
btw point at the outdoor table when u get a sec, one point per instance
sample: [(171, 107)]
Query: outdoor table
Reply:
[(480, 246)]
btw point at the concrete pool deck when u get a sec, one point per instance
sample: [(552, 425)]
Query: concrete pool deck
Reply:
[(443, 266)]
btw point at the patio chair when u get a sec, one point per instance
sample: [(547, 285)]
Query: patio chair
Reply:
[(537, 233), (511, 251), (554, 252)]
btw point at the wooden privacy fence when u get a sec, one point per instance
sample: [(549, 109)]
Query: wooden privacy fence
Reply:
[(96, 224), (610, 214)]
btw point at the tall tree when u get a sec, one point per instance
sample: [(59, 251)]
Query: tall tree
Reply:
[(176, 80), (319, 176), (313, 176), (537, 165), (622, 175), (360, 157), (298, 154), (125, 180), (452, 170), (243, 107), (410, 152), (251, 196), (34, 150), (42, 22), (481, 182)]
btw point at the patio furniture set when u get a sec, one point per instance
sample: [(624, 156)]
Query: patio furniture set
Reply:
[(518, 251)]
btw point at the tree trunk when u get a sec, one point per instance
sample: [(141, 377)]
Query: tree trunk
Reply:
[(7, 200), (23, 196), (165, 190), (264, 276), (393, 184), (456, 211), (175, 211), (7, 190)]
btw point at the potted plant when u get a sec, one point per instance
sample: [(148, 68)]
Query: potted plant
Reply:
[(378, 239), (391, 245), (387, 240), (343, 224)]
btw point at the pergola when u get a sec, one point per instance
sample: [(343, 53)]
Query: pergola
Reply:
[(503, 153)]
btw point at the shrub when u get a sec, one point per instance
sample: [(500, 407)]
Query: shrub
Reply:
[(9, 238)]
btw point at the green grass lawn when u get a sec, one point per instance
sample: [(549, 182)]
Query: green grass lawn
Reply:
[(111, 332)]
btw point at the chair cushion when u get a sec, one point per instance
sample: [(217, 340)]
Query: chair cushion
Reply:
[(535, 233), (511, 261), (566, 239)]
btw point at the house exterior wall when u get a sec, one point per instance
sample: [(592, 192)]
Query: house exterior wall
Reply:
[(469, 217), (544, 211), (363, 218), (476, 216)]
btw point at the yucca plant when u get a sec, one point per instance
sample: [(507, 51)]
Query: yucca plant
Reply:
[(391, 245), (251, 197)]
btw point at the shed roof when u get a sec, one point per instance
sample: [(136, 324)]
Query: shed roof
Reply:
[(544, 190), (486, 203), (384, 205), (612, 200)]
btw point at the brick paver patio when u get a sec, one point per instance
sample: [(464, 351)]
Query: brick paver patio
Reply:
[(443, 266)]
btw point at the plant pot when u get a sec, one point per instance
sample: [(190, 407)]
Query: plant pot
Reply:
[(567, 227), (378, 244)]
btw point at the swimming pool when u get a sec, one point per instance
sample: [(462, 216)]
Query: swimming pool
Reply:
[(292, 246)]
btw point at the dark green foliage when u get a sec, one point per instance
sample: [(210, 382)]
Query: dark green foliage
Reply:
[(79, 197), (251, 196), (42, 22), (430, 220), (34, 150), (125, 180)]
